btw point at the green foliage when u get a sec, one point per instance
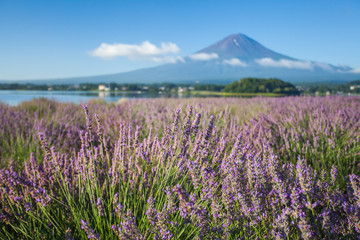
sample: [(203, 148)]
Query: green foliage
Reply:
[(334, 89), (261, 85), (209, 87)]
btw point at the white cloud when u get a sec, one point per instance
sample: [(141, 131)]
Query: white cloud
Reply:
[(235, 62), (324, 66), (144, 51), (355, 70), (269, 62), (203, 56)]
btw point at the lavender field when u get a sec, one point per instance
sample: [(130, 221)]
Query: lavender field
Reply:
[(212, 168)]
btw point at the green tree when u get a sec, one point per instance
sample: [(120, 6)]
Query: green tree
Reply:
[(261, 85)]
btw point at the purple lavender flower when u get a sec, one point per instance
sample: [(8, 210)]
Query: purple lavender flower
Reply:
[(100, 207), (89, 232), (88, 119)]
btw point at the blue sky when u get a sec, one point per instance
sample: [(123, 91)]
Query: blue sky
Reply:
[(52, 39)]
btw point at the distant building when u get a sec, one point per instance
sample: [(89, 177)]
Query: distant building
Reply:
[(354, 87), (103, 87), (182, 89)]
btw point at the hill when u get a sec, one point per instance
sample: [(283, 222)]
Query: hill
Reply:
[(261, 85)]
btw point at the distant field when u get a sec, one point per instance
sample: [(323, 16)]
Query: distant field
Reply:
[(194, 168)]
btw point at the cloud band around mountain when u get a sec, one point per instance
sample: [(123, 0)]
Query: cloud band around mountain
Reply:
[(235, 62), (269, 62), (355, 70), (145, 51), (204, 56)]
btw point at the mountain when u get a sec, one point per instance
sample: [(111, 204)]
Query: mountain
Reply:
[(242, 47), (232, 58)]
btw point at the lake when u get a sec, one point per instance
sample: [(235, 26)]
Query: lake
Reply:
[(14, 97)]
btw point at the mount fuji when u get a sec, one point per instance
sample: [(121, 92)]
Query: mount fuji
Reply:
[(232, 58)]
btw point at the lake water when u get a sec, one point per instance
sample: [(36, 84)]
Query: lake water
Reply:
[(14, 97)]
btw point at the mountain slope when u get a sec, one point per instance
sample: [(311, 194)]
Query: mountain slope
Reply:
[(234, 57), (242, 47)]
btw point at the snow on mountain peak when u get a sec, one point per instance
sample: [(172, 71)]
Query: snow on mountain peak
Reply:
[(236, 43)]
